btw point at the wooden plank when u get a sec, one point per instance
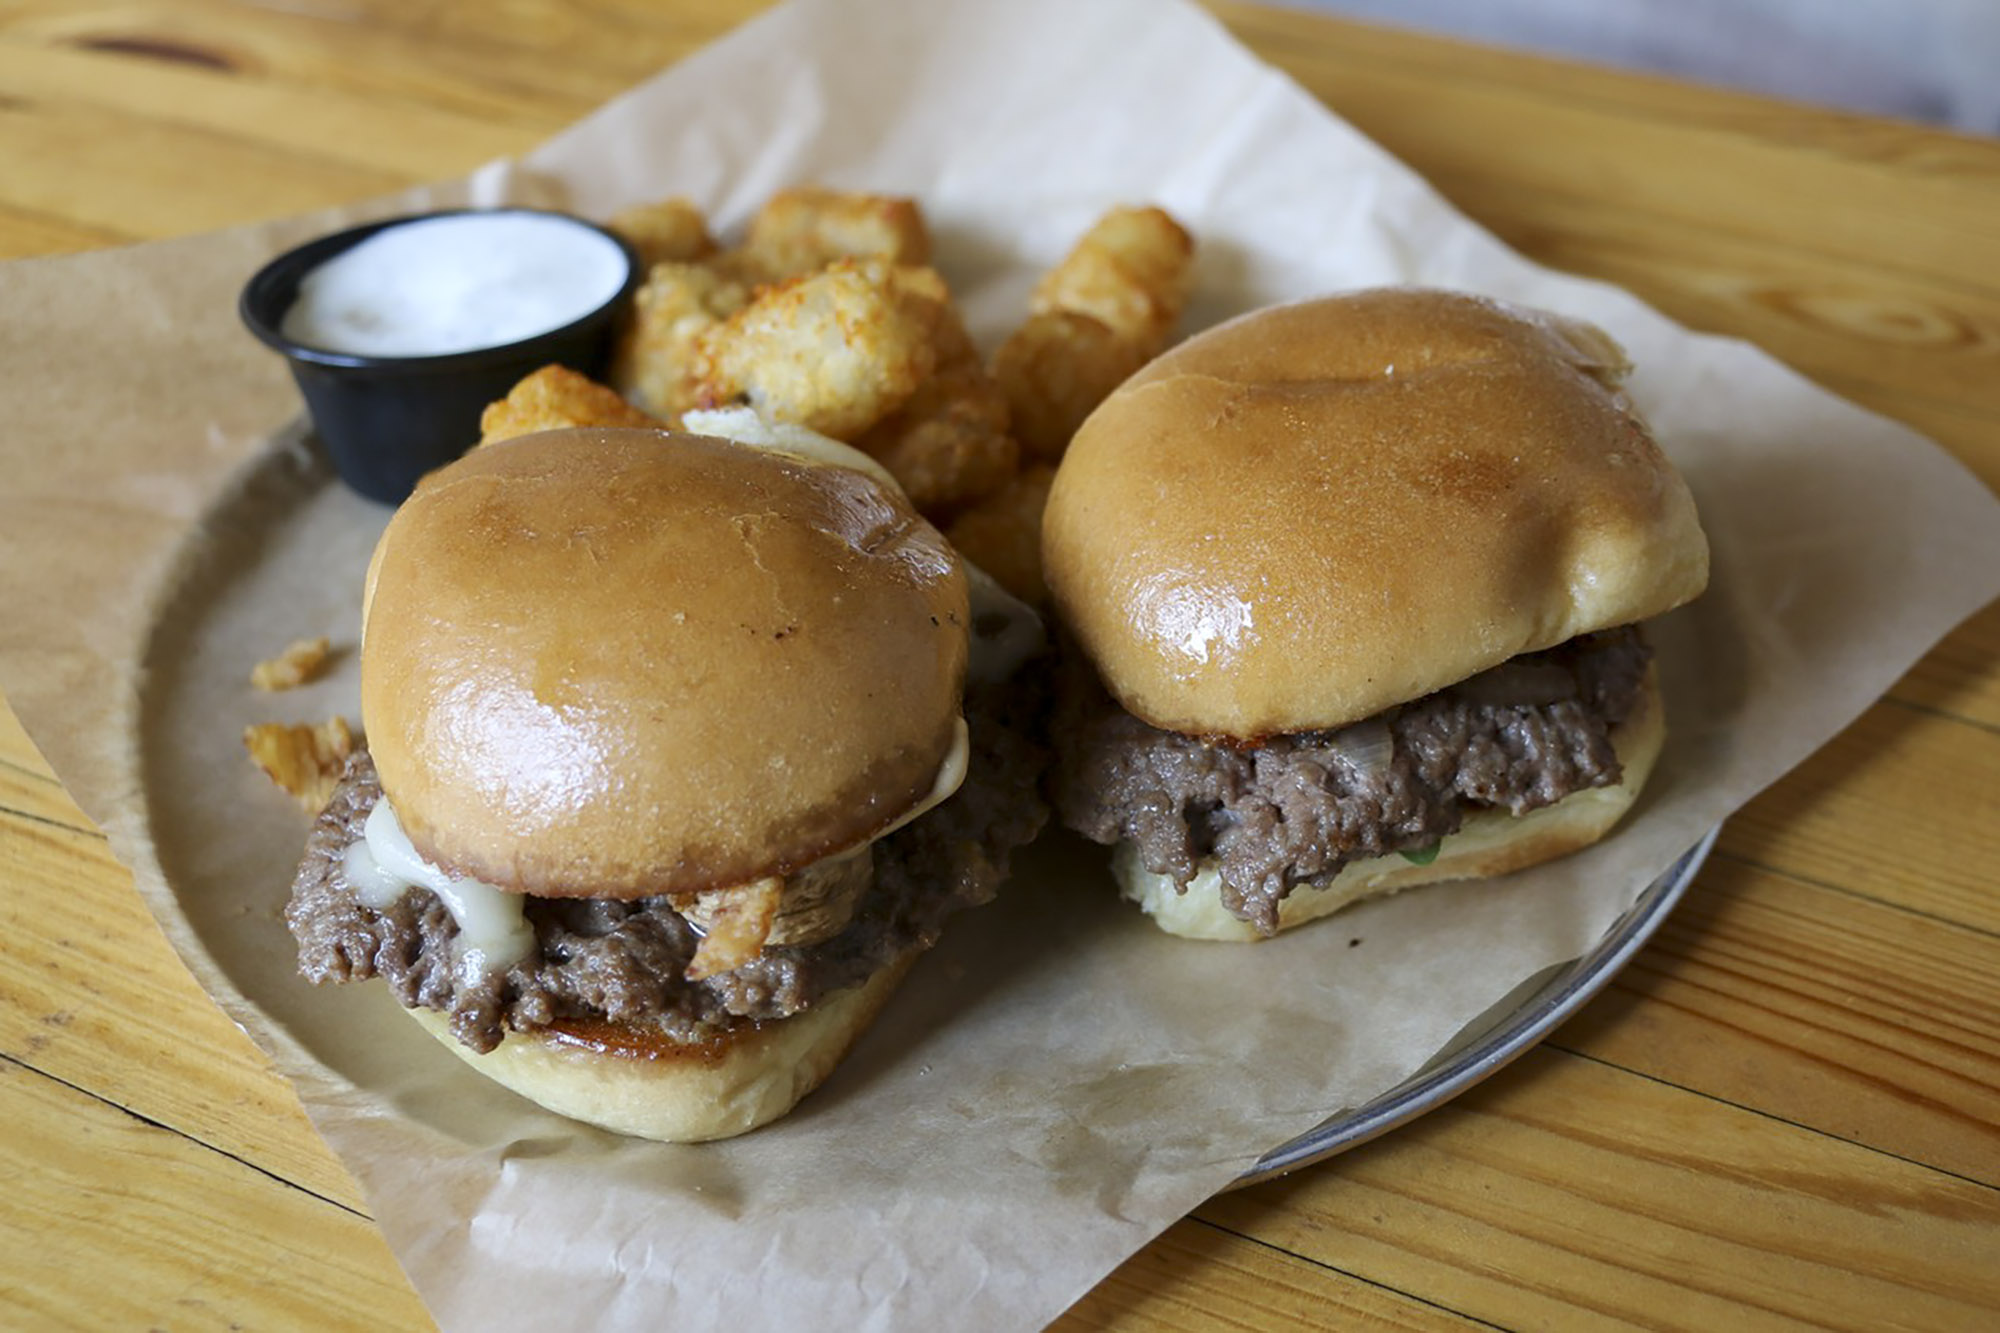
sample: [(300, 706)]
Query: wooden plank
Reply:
[(355, 131), (1858, 1020), (28, 787), (24, 235), (1761, 993), (1924, 788), (1963, 429), (1564, 1193), (533, 66), (1831, 184), (1197, 1276), (1961, 676), (92, 994), (86, 166), (110, 1222), (1916, 334), (17, 748)]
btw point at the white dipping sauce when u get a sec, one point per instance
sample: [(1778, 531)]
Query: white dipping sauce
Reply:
[(455, 284)]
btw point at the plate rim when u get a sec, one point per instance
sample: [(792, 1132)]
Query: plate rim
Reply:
[(1510, 1037)]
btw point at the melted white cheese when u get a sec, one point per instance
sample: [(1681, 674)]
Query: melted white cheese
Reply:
[(950, 777), (492, 932), (744, 426)]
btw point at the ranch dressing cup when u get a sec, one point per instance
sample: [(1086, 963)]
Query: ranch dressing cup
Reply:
[(399, 333)]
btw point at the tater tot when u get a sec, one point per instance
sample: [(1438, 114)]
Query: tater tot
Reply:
[(1002, 534), (654, 361), (836, 351), (1055, 369), (802, 230), (1131, 270), (949, 445), (1108, 308), (554, 397), (671, 231)]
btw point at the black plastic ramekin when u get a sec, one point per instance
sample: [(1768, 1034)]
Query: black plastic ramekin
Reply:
[(387, 420)]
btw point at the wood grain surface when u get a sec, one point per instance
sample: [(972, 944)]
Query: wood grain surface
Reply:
[(1786, 1112)]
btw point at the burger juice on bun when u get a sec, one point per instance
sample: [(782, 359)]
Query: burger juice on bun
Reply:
[(1356, 586), (673, 765)]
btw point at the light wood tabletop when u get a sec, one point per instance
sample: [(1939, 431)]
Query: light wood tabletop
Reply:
[(1785, 1111)]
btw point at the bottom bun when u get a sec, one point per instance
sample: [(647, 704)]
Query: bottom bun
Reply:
[(626, 1079), (1490, 842)]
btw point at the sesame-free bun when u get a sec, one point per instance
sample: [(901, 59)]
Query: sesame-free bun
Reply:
[(611, 663), (1490, 842), (1315, 511), (631, 1081)]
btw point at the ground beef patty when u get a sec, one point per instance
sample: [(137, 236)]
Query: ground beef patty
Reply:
[(625, 960), (1296, 808)]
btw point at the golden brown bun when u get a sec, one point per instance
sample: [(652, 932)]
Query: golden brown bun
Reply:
[(1313, 512), (1490, 842), (609, 663), (626, 1080)]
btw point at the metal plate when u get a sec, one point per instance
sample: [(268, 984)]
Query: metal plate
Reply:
[(1497, 1037)]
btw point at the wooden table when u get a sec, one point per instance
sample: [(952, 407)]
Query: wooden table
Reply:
[(1788, 1109)]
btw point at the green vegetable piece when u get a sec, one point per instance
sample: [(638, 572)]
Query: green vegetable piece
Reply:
[(1423, 856)]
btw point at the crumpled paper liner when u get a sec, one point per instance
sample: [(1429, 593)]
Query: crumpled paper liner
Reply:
[(1058, 1081)]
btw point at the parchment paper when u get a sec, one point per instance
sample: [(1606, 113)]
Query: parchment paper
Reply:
[(1058, 1081)]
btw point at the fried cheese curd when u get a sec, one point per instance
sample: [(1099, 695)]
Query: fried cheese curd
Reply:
[(554, 397), (825, 316), (1108, 308), (949, 445), (834, 351), (653, 362), (803, 229), (669, 231), (798, 232)]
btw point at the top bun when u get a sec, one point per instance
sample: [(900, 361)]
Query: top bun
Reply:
[(1313, 512), (611, 663)]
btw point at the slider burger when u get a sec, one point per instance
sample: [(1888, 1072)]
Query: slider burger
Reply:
[(678, 751), (1357, 585)]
